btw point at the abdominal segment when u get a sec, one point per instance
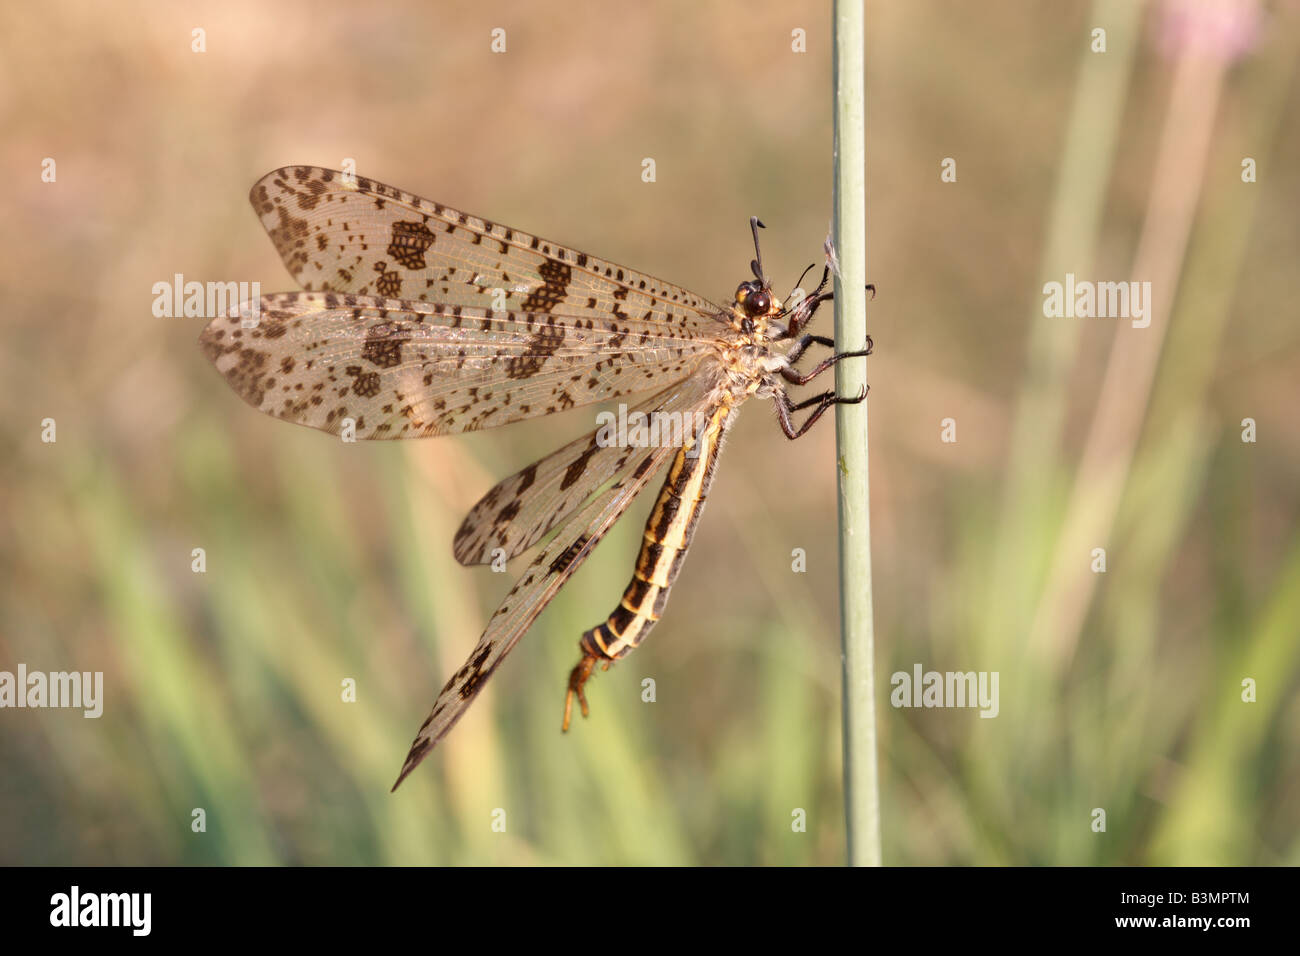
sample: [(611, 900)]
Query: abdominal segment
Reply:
[(666, 538)]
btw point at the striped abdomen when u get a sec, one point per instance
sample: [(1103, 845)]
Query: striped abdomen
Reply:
[(667, 536)]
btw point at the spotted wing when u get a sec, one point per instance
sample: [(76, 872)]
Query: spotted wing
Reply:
[(403, 368), (544, 576), (521, 509), (351, 234)]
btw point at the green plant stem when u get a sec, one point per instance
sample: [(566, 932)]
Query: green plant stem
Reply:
[(861, 786)]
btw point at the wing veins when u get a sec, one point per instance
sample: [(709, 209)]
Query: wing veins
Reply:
[(521, 509)]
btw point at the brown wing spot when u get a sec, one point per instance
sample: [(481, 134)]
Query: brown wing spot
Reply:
[(389, 285), (577, 467), (261, 200), (366, 384), (411, 240), (467, 557), (555, 278), (246, 374), (540, 347), (384, 345), (526, 477), (476, 675), (311, 197), (642, 468), (508, 513), (289, 237)]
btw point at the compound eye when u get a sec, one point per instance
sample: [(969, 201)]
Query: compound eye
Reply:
[(757, 303), (744, 291)]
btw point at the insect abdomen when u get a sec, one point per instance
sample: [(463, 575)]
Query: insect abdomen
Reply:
[(667, 535)]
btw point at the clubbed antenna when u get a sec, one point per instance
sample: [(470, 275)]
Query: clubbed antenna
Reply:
[(756, 224)]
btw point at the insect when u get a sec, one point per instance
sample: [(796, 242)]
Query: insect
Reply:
[(419, 320)]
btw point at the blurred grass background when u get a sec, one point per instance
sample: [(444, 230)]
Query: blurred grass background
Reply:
[(327, 561)]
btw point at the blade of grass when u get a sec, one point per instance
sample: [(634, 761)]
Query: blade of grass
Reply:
[(861, 787)]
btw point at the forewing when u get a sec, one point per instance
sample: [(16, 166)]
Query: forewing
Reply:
[(521, 509), (352, 234), (402, 368)]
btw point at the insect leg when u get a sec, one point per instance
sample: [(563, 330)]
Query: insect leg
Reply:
[(802, 345), (784, 408), (792, 375)]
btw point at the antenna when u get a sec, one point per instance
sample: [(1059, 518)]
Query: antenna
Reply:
[(799, 281), (756, 265)]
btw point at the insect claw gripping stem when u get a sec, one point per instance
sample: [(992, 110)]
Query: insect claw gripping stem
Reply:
[(785, 406), (797, 378)]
